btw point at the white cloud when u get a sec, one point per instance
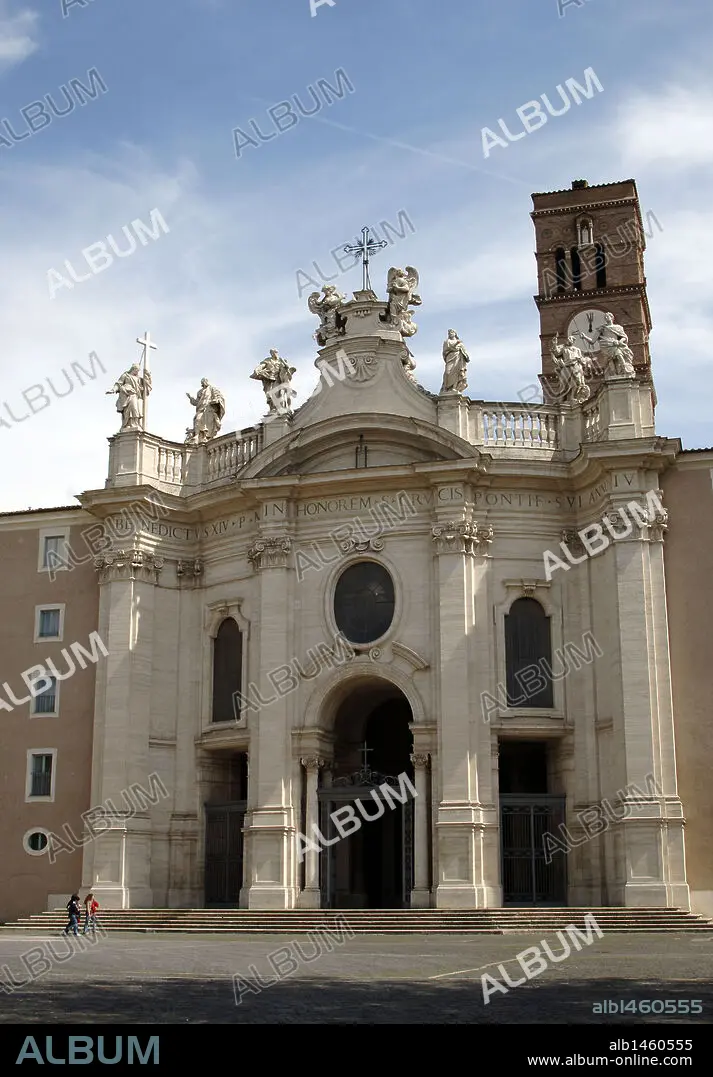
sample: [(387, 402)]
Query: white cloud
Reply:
[(672, 128), (17, 35)]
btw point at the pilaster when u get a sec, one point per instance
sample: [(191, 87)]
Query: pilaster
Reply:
[(271, 828), (117, 861)]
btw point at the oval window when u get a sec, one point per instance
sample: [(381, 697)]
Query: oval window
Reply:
[(364, 602)]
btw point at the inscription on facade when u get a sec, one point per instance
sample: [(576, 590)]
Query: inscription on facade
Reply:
[(334, 506)]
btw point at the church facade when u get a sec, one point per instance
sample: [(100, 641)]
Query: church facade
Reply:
[(387, 649)]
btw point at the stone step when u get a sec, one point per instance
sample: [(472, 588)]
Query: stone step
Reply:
[(507, 920)]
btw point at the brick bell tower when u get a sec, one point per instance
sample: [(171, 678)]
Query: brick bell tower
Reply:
[(590, 244)]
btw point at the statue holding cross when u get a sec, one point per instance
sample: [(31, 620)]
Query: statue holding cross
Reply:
[(133, 388)]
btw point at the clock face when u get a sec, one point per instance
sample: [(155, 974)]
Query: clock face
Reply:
[(586, 324)]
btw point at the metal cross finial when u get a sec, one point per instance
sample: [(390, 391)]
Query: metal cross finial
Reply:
[(366, 248)]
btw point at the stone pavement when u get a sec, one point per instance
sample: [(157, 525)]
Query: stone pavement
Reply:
[(412, 979)]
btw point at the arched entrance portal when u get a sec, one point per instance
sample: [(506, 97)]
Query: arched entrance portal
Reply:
[(372, 785)]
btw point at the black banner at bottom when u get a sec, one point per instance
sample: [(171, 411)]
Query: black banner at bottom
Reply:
[(515, 1048)]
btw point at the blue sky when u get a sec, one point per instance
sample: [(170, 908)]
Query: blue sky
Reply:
[(219, 288)]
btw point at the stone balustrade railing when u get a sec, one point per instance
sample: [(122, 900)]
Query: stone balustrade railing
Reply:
[(507, 426)]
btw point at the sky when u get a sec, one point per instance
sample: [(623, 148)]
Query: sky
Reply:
[(400, 141)]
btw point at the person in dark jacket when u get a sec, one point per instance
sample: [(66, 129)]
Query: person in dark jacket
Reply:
[(74, 915)]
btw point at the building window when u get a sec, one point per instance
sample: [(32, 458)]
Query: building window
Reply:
[(40, 776), (528, 655), (586, 233), (600, 266), (561, 268), (364, 602), (227, 671), (35, 842), (49, 623), (576, 270), (46, 702), (52, 555)]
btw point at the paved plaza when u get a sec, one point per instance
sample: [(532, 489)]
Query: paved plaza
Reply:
[(378, 979)]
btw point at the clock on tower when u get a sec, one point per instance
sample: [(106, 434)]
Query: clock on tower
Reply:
[(583, 327)]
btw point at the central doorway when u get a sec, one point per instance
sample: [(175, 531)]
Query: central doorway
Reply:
[(372, 778)]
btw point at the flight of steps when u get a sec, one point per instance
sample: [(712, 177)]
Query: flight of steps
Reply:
[(375, 921)]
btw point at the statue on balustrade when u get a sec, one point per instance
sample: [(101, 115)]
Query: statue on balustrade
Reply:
[(456, 358), (132, 388), (276, 377), (614, 348), (572, 368), (210, 411)]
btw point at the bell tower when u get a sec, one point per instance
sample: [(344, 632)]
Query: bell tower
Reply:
[(590, 244)]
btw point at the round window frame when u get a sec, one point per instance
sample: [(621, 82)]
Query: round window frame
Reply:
[(330, 593), (26, 841)]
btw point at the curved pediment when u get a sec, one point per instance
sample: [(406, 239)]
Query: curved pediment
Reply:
[(331, 445)]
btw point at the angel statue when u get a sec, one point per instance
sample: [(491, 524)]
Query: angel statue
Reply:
[(210, 410), (276, 377), (571, 367), (455, 357), (401, 284), (326, 307)]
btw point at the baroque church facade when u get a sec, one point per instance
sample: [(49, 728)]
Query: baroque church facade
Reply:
[(389, 648)]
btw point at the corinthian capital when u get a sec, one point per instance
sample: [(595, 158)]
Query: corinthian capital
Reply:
[(270, 552), (130, 564), (312, 762), (461, 536)]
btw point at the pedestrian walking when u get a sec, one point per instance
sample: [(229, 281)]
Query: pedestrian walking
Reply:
[(74, 914), (90, 914)]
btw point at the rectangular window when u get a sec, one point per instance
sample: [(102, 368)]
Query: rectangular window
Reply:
[(46, 702), (48, 627), (53, 550), (41, 776)]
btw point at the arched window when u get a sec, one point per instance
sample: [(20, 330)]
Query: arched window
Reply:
[(528, 655), (600, 265), (576, 270), (227, 671), (561, 268), (586, 232)]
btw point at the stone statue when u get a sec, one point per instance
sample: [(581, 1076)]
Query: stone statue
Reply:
[(130, 387), (401, 284), (571, 367), (326, 307), (276, 377), (456, 358), (210, 410), (614, 346)]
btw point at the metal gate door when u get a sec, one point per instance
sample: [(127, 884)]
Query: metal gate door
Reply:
[(527, 878), (223, 853)]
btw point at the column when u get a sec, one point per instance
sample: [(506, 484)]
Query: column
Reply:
[(310, 896), (421, 893)]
